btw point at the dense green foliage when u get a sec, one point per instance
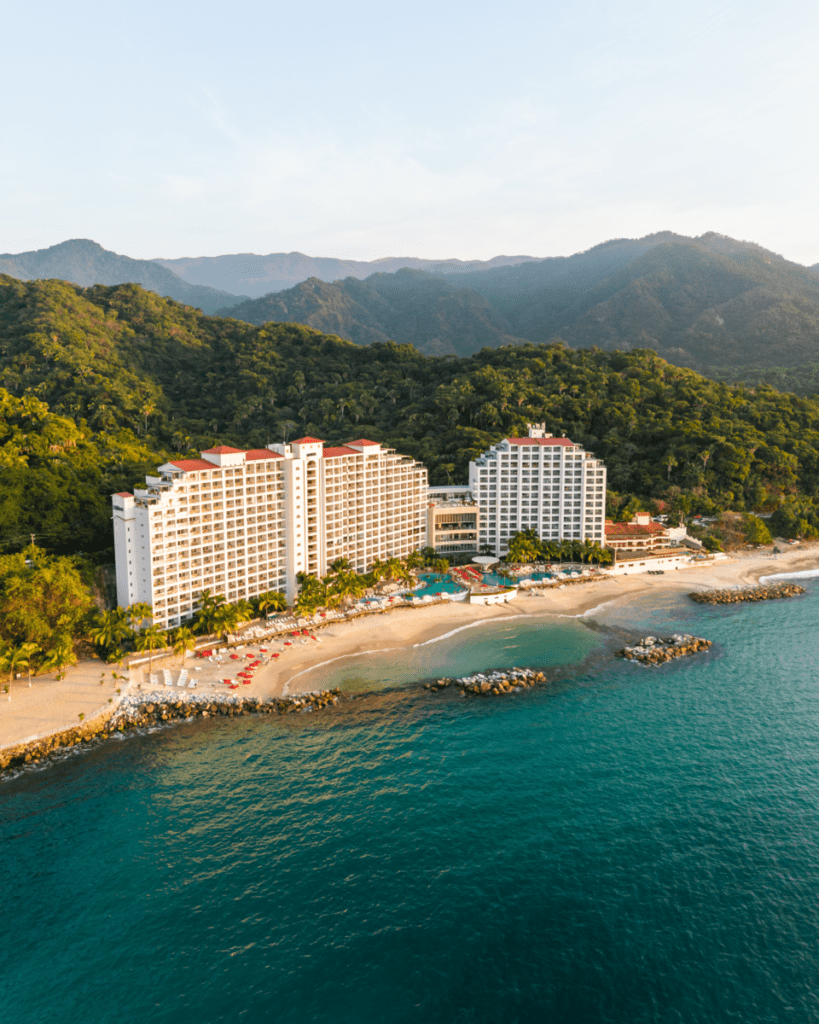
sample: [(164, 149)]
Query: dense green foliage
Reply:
[(703, 302), (45, 605), (411, 307), (103, 384), (526, 547)]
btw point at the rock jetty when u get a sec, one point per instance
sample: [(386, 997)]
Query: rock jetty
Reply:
[(762, 592), (652, 650), (150, 710), (490, 684)]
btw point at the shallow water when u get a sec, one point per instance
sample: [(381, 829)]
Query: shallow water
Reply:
[(624, 845)]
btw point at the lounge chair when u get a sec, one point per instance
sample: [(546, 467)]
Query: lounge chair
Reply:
[(154, 679), (166, 675), (183, 677)]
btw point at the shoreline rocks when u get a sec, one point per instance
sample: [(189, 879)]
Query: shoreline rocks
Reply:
[(148, 710), (652, 650), (490, 684), (761, 592)]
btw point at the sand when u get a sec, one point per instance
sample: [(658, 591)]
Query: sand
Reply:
[(51, 705)]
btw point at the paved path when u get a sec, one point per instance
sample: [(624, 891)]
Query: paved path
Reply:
[(51, 704)]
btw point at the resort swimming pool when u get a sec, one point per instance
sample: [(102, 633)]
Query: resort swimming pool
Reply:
[(499, 581), (435, 583)]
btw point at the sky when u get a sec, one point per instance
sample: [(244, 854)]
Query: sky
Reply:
[(439, 130)]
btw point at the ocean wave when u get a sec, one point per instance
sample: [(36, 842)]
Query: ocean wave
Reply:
[(802, 575)]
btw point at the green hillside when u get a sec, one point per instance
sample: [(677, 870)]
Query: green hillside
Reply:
[(409, 307), (100, 385), (708, 302)]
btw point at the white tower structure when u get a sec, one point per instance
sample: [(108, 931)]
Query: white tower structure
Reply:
[(548, 484), (240, 523)]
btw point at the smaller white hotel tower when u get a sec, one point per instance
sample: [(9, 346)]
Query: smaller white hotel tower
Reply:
[(240, 523), (540, 482)]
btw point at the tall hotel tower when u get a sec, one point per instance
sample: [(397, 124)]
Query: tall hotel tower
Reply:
[(240, 523), (540, 482)]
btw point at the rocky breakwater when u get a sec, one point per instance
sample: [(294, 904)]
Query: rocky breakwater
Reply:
[(138, 712), (762, 592), (652, 650), (490, 684), (151, 710)]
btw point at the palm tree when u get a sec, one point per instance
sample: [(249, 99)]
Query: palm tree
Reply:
[(110, 629), (209, 604), (13, 660), (150, 640), (60, 654), (226, 618), (271, 600), (378, 570), (137, 613), (348, 586), (414, 560), (244, 610), (31, 649), (393, 568), (339, 566), (183, 641)]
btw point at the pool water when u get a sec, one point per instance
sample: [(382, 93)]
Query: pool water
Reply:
[(498, 581), (435, 583)]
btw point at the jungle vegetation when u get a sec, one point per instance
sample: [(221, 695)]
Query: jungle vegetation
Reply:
[(100, 385)]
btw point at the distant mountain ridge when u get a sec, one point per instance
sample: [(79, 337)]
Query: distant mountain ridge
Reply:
[(256, 275), (709, 301), (84, 262)]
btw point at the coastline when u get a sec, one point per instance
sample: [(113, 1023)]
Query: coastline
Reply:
[(51, 708)]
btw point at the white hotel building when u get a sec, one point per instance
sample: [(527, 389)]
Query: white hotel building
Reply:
[(540, 482), (240, 523)]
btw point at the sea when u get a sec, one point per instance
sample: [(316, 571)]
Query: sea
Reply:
[(622, 844)]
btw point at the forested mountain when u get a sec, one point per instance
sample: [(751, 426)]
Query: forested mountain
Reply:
[(408, 307), (251, 274), (100, 385), (709, 302), (86, 263)]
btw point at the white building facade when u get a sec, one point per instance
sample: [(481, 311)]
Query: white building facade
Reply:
[(240, 523), (547, 484)]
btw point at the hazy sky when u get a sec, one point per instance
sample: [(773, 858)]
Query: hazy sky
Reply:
[(429, 129)]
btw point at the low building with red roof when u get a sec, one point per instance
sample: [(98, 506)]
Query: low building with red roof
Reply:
[(640, 534)]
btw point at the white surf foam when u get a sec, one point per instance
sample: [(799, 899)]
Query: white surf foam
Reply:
[(804, 574)]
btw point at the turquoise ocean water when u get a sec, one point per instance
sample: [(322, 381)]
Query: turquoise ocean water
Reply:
[(625, 845)]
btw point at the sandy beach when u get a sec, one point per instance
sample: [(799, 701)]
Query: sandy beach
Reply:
[(50, 705)]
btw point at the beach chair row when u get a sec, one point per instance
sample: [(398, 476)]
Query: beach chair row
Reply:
[(167, 680)]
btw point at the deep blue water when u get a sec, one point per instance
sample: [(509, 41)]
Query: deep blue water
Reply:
[(626, 845)]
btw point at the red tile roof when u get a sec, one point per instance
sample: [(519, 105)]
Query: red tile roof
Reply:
[(362, 440), (261, 453), (308, 440), (123, 494), (222, 449), (564, 441), (191, 465), (632, 529), (334, 453)]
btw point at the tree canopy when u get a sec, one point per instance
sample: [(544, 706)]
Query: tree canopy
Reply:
[(100, 385)]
